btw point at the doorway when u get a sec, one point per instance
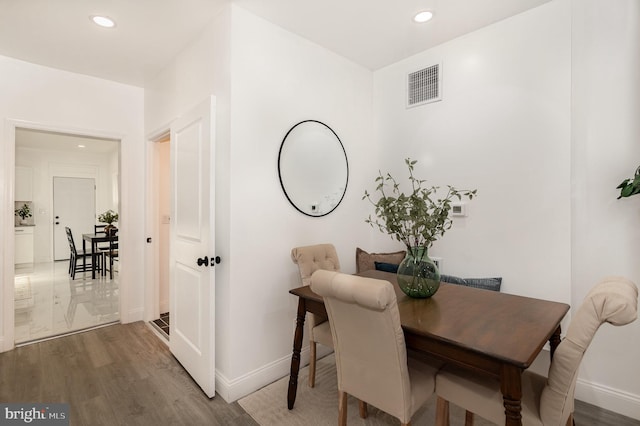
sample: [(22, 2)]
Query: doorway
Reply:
[(191, 239), (74, 207), (161, 211), (78, 175)]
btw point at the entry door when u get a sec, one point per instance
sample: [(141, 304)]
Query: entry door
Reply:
[(192, 282), (74, 205)]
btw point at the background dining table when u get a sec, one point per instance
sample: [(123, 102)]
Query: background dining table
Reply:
[(488, 332), (94, 240)]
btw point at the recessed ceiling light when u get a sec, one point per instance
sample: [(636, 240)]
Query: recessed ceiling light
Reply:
[(103, 21), (423, 16), (81, 146)]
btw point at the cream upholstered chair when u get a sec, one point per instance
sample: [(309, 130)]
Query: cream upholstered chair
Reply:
[(368, 340), (544, 401), (309, 259)]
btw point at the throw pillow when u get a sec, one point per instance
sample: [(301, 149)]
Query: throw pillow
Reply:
[(452, 279), (366, 261), (492, 284), (386, 267)]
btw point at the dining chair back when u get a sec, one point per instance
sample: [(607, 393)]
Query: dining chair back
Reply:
[(77, 256), (614, 301), (309, 259), (111, 255), (371, 355), (100, 230), (545, 401)]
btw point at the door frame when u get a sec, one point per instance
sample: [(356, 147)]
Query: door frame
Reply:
[(7, 270), (152, 224)]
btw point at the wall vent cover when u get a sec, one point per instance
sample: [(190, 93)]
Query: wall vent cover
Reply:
[(424, 86)]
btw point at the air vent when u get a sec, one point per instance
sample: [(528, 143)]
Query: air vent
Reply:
[(423, 86)]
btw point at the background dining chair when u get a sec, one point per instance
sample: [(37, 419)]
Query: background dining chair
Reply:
[(544, 401), (110, 255), (79, 261), (99, 230), (309, 259), (371, 355)]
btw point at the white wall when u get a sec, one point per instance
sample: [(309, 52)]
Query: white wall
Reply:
[(606, 150), (265, 80), (503, 128), (539, 113), (41, 162), (278, 80), (73, 103)]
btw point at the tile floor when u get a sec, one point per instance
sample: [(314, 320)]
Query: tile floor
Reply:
[(49, 303)]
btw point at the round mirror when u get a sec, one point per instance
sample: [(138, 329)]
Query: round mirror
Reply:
[(313, 168)]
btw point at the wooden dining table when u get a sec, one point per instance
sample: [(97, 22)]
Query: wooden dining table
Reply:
[(488, 332)]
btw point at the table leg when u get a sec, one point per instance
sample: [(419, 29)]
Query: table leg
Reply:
[(295, 357), (84, 257), (94, 250), (554, 341), (511, 387)]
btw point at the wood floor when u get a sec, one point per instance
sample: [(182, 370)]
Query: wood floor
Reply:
[(117, 375), (124, 375)]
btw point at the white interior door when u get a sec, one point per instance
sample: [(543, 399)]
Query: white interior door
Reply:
[(74, 205), (192, 282)]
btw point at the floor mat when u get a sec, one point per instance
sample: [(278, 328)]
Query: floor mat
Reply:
[(162, 324)]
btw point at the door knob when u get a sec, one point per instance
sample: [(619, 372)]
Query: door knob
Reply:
[(203, 261), (215, 261)]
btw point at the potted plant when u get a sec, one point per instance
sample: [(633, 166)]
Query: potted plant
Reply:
[(109, 217), (416, 219), (630, 186), (24, 212)]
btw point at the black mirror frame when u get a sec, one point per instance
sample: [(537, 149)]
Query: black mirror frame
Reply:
[(346, 160)]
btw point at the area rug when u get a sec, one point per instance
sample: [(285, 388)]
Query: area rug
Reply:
[(318, 406)]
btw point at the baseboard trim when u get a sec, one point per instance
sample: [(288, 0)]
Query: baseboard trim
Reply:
[(232, 390), (608, 398), (133, 315)]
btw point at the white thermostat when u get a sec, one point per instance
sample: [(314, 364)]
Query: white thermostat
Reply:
[(458, 209)]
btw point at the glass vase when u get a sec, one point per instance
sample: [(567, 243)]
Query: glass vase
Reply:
[(418, 275)]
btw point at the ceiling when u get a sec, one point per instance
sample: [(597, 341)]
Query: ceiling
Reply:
[(150, 33), (51, 141)]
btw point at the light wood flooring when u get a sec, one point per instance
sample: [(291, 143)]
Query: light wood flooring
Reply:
[(124, 375), (116, 375)]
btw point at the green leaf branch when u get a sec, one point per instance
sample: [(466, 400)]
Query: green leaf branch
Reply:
[(630, 186), (24, 211), (108, 217), (418, 218)]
